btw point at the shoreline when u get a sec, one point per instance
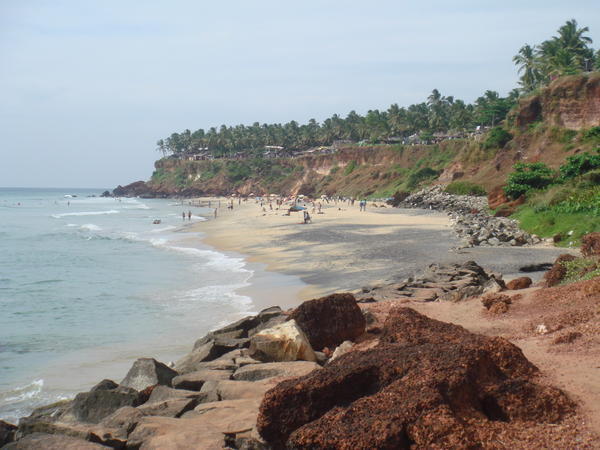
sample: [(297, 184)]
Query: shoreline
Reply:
[(345, 249)]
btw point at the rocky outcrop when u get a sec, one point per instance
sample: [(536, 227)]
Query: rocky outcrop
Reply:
[(283, 342), (135, 189), (7, 432), (569, 102), (470, 220), (36, 441), (427, 384), (148, 372), (331, 320), (446, 282)]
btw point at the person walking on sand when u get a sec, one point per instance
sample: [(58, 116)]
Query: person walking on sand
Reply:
[(215, 213)]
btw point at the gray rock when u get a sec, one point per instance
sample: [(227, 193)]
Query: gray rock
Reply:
[(255, 372), (175, 407), (148, 372), (37, 441), (92, 407), (7, 432), (105, 385), (162, 393), (193, 381)]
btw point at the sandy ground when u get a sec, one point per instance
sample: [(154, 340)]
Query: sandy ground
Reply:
[(345, 249)]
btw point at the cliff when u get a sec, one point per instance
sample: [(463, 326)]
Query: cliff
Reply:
[(547, 127)]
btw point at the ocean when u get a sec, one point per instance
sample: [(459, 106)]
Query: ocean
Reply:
[(89, 284)]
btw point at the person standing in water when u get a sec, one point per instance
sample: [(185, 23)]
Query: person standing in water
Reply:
[(189, 215), (183, 215)]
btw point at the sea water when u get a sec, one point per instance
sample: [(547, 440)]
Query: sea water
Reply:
[(89, 284)]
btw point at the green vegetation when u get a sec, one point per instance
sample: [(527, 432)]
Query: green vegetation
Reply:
[(579, 164), (465, 188), (592, 135), (528, 176), (498, 137), (567, 53), (580, 269), (417, 177), (350, 167)]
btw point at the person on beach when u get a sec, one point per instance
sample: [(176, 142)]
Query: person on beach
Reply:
[(215, 213), (183, 215), (189, 215)]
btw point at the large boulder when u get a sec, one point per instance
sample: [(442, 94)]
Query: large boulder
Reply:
[(284, 342), (206, 427), (427, 384), (93, 406), (519, 283), (209, 349), (331, 320), (254, 372), (148, 372), (162, 393)]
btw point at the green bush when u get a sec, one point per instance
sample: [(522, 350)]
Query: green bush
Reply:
[(528, 176), (591, 135), (579, 164), (237, 171), (465, 188), (421, 175), (350, 167), (498, 137)]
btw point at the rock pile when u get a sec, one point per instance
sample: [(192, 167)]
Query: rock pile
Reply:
[(427, 384), (210, 398), (451, 282), (470, 219)]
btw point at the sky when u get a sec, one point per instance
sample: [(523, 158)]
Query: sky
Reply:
[(88, 87)]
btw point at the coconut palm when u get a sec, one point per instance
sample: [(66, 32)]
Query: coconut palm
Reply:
[(528, 63)]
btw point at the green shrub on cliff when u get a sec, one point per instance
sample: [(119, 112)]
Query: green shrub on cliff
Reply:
[(579, 164), (528, 176), (350, 167), (465, 188), (592, 135), (498, 137)]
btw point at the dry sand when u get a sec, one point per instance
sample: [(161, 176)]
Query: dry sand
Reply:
[(345, 249)]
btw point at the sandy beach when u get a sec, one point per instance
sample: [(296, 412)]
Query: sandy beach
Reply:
[(345, 248)]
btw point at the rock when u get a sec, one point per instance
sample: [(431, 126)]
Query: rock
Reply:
[(255, 372), (567, 338), (7, 432), (519, 283), (494, 285), (124, 419), (162, 393), (105, 385), (284, 342), (43, 417), (37, 441), (148, 372), (245, 360), (93, 406), (427, 384), (490, 300), (342, 349), (233, 390), (558, 271), (206, 427), (590, 244), (331, 320), (169, 408), (194, 380), (212, 349)]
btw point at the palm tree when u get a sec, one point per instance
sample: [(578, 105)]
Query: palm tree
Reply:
[(528, 63)]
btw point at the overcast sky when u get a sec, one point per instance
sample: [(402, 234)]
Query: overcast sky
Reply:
[(88, 87)]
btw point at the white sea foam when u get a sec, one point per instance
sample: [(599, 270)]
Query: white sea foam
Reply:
[(162, 230), (22, 393), (85, 213), (91, 227)]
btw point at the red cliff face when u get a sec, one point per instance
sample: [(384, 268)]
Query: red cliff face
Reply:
[(569, 102)]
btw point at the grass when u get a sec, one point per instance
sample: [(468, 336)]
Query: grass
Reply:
[(581, 269), (465, 188)]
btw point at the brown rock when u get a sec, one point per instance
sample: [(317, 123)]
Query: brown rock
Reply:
[(193, 381), (496, 303), (162, 393), (206, 427), (7, 432), (169, 408), (37, 441), (331, 320), (590, 244), (255, 372), (558, 271), (427, 384), (519, 283), (147, 372), (234, 390)]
